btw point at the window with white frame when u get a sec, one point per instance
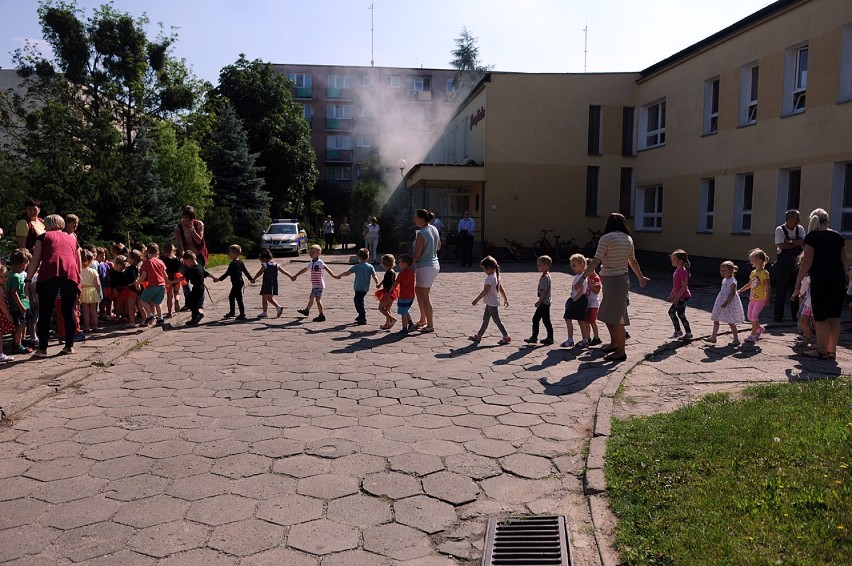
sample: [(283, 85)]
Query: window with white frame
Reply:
[(789, 192), (649, 208), (845, 170), (339, 81), (653, 125), (338, 142), (394, 81), (707, 205), (340, 111), (450, 85), (363, 141), (366, 80), (338, 173), (300, 80), (749, 75), (845, 90), (743, 199), (419, 84), (711, 106), (308, 113), (795, 79)]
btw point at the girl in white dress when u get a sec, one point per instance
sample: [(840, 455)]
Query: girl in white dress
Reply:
[(728, 307)]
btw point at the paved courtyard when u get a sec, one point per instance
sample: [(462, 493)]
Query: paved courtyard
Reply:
[(283, 441)]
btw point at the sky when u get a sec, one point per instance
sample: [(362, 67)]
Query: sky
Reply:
[(543, 36)]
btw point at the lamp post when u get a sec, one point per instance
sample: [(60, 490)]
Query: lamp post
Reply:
[(402, 164)]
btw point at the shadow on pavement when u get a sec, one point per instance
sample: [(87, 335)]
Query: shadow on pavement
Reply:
[(585, 375), (369, 343), (469, 349), (521, 353)]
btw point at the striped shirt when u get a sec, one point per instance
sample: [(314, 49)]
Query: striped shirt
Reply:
[(316, 266), (615, 249)]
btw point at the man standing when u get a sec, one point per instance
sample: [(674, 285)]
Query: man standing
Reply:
[(328, 233), (789, 243), (467, 226)]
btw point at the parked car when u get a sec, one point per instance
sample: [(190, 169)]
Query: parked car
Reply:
[(285, 235)]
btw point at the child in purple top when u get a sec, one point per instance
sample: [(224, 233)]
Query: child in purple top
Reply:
[(680, 295)]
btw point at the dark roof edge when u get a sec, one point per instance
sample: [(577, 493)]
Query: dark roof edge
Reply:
[(769, 11)]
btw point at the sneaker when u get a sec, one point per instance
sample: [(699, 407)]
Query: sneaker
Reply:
[(676, 334), (41, 354), (319, 318), (567, 344), (79, 337), (751, 339), (735, 343), (626, 334), (361, 322), (21, 349), (475, 338), (532, 340), (240, 317), (799, 337), (547, 341), (228, 315), (505, 340), (128, 325), (304, 312), (193, 321), (595, 341), (4, 359), (262, 315), (67, 350), (160, 322), (687, 336), (279, 312), (711, 339), (583, 344), (411, 327)]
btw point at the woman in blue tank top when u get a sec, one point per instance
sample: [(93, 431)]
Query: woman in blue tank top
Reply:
[(426, 266)]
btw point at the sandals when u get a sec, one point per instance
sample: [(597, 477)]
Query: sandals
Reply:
[(816, 354), (609, 348), (425, 329)]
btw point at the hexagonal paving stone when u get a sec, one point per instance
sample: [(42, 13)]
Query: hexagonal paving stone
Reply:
[(18, 512), (415, 463), (151, 511), (245, 538), (221, 448), (169, 538), (54, 450), (221, 509), (450, 487), (358, 465), (328, 486), (199, 557), (356, 558), (84, 543), (438, 447), (359, 511), (322, 537), (16, 487), (301, 466), (397, 541), (23, 541), (526, 466), (510, 489), (80, 513), (264, 486), (391, 484), (198, 487), (58, 469), (289, 509), (122, 467), (490, 448), (241, 465), (424, 513), (277, 447), (136, 487), (166, 448), (280, 556), (182, 466), (331, 448)]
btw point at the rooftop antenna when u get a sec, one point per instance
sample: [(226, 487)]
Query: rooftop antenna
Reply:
[(372, 11), (585, 47)]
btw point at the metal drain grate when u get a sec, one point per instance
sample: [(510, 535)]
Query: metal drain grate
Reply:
[(526, 541)]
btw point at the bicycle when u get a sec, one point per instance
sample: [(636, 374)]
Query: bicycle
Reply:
[(592, 245), (450, 247), (562, 250), (513, 249)]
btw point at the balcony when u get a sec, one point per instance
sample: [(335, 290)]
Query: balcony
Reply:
[(343, 155), (303, 92), (421, 95), (338, 123), (339, 94)]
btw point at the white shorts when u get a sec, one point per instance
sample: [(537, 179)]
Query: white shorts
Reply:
[(425, 276)]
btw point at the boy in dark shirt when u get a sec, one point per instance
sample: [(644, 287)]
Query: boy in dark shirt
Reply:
[(194, 276), (235, 271), (173, 265)]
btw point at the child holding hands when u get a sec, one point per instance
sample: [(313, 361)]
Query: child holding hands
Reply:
[(491, 294), (316, 266), (758, 284), (680, 295), (235, 271), (363, 271), (542, 305), (728, 306), (269, 286), (385, 293)]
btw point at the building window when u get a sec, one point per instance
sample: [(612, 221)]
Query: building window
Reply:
[(649, 208), (842, 197), (338, 173), (366, 80), (338, 142), (340, 111), (845, 92), (419, 84), (594, 130), (394, 81), (743, 198), (366, 111), (627, 131), (450, 85), (795, 79), (418, 113), (653, 124), (308, 112), (711, 106), (791, 190), (592, 182), (707, 204), (625, 192), (749, 75), (339, 81), (300, 80), (363, 141)]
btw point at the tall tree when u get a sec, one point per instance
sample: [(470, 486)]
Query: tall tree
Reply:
[(85, 104), (237, 182), (469, 70), (276, 131)]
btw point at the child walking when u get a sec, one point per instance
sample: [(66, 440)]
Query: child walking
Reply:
[(6, 324), (490, 295), (173, 265), (404, 285), (542, 305), (153, 276), (386, 293), (593, 294), (90, 292), (804, 294), (363, 271), (235, 271), (680, 295), (316, 267), (728, 307), (577, 304), (19, 303), (269, 286), (195, 274), (758, 284)]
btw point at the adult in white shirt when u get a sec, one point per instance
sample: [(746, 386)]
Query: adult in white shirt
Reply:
[(467, 227), (328, 233), (790, 245), (371, 238)]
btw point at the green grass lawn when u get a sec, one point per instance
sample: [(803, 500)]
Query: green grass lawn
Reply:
[(762, 480), (215, 260)]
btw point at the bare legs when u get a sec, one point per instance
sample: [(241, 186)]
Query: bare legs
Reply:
[(424, 303)]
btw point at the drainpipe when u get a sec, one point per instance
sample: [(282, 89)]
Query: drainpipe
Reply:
[(482, 215)]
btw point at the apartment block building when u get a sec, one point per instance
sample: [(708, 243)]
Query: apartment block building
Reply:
[(359, 112), (704, 150)]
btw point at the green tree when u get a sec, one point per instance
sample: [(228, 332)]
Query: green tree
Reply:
[(366, 191), (182, 169), (469, 70), (276, 131), (237, 184)]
